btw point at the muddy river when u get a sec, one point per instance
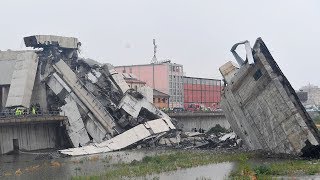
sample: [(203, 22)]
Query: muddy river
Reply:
[(30, 166), (38, 166)]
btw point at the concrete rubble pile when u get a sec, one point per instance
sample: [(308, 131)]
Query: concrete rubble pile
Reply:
[(192, 140), (263, 108), (103, 113)]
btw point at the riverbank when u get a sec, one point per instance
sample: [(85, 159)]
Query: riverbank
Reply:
[(248, 165), (159, 164)]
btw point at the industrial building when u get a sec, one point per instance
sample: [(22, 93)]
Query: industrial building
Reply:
[(313, 94), (303, 96), (202, 92), (164, 76), (168, 78)]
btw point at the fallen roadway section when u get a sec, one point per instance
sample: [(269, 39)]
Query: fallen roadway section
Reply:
[(129, 137), (263, 108)]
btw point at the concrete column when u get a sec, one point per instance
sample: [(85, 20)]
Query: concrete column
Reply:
[(1, 99), (4, 94), (39, 94)]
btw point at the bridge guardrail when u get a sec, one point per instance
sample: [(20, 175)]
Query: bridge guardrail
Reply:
[(27, 114)]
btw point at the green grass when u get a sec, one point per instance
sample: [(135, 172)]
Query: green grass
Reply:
[(187, 159), (167, 162), (291, 168)]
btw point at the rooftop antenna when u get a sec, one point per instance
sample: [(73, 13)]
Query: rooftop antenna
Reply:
[(154, 59)]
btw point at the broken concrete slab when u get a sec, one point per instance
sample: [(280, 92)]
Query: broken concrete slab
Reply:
[(263, 108), (64, 92), (86, 97), (75, 128), (127, 138), (37, 41), (8, 60), (22, 81)]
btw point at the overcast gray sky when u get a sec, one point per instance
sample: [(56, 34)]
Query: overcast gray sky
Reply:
[(195, 33)]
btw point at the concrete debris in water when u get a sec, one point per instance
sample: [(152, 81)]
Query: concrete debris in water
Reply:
[(191, 140), (263, 108), (103, 113)]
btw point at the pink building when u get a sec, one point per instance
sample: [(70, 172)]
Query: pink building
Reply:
[(132, 81), (165, 77)]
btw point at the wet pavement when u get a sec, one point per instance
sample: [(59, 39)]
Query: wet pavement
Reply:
[(212, 171)]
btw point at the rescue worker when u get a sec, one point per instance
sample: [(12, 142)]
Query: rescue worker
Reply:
[(18, 112), (33, 110)]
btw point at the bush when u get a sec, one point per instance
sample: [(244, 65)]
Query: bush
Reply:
[(262, 170), (217, 129)]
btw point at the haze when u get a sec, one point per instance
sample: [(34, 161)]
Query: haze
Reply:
[(197, 34)]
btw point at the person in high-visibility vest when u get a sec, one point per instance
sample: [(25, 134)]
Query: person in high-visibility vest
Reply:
[(18, 112), (33, 110)]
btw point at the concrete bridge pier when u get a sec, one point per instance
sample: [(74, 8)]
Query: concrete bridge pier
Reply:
[(30, 133)]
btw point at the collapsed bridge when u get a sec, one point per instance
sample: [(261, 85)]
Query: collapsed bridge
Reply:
[(101, 110), (98, 112), (263, 108)]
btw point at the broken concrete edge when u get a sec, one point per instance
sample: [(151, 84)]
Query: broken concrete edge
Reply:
[(291, 90), (245, 87), (39, 41), (312, 145), (23, 79), (127, 138)]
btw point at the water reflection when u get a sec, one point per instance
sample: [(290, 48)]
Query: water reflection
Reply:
[(25, 166), (213, 171)]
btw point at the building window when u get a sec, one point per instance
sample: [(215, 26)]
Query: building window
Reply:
[(159, 100), (154, 100), (163, 100)]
